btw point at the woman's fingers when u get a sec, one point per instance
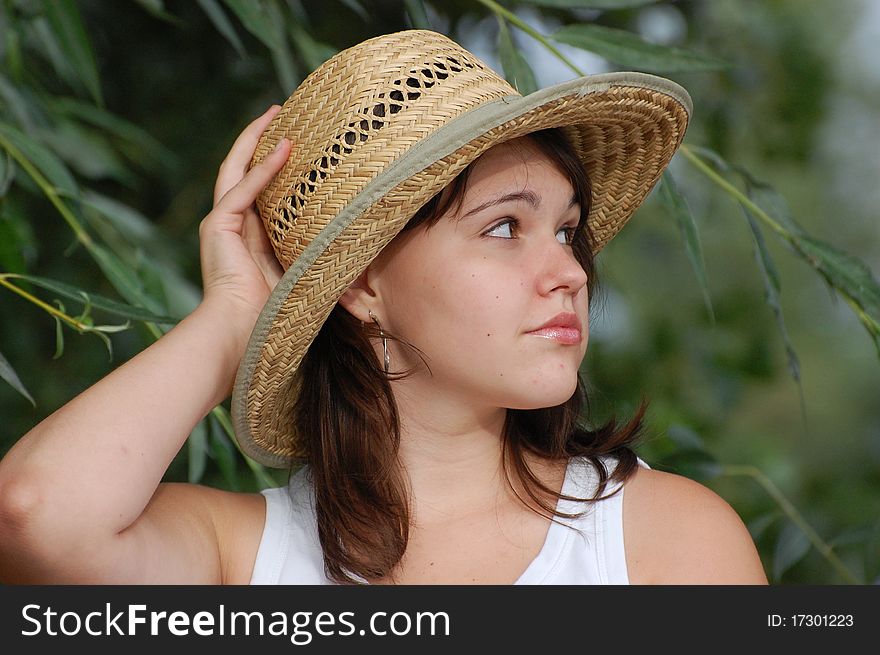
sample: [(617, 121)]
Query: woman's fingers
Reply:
[(236, 254), (242, 195), (235, 165), (257, 242)]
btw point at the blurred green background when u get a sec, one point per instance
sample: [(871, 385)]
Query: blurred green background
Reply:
[(128, 109)]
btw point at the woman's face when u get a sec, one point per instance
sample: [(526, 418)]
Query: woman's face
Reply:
[(472, 290)]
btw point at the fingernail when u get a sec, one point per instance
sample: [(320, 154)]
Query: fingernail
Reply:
[(279, 145)]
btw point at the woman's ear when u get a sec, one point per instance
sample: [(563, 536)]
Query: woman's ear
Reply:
[(359, 297)]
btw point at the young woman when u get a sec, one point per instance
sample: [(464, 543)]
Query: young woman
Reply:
[(406, 316)]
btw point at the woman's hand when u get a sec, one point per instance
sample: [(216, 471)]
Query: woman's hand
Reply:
[(239, 268)]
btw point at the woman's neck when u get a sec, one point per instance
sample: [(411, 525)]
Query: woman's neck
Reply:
[(450, 451), (451, 456)]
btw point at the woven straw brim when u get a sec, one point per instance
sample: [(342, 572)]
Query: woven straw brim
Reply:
[(625, 127)]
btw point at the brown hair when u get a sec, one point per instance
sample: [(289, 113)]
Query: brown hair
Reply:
[(348, 418)]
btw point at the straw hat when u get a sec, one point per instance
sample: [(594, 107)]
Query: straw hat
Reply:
[(377, 131)]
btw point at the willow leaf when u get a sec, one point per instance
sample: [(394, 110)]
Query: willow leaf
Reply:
[(357, 8), (20, 108), (197, 451), (285, 67), (629, 50), (849, 275), (13, 59), (68, 27), (223, 453), (124, 280), (313, 53), (157, 8), (7, 172), (415, 9), (772, 288), (516, 68), (42, 38), (52, 168), (107, 343), (845, 273), (12, 246), (59, 334), (254, 15), (791, 547), (87, 151), (147, 148), (154, 287), (760, 524), (130, 223), (221, 418), (588, 4), (707, 153), (11, 377), (110, 329), (686, 439), (140, 247), (772, 202), (265, 20), (222, 23), (678, 207), (261, 477)]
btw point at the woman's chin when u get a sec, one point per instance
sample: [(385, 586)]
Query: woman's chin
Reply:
[(544, 394)]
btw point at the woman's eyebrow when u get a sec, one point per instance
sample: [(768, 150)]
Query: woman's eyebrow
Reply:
[(527, 196)]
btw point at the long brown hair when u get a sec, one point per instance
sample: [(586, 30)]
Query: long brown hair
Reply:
[(349, 419)]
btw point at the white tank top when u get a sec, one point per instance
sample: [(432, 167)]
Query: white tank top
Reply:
[(585, 550)]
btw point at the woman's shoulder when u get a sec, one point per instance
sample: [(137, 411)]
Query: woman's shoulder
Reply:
[(678, 531)]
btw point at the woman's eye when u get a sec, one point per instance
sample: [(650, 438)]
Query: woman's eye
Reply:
[(568, 235), (506, 230), (503, 230)]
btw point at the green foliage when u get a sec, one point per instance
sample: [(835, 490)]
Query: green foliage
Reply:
[(846, 274), (628, 50), (516, 68), (91, 300), (114, 117), (590, 4), (415, 9), (11, 377), (678, 207), (79, 66)]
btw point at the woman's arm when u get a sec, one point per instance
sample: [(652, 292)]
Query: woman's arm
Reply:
[(76, 491), (677, 531)]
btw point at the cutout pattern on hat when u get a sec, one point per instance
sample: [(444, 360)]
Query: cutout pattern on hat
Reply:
[(398, 95)]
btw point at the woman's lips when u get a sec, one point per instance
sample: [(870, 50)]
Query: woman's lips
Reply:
[(564, 328), (565, 335)]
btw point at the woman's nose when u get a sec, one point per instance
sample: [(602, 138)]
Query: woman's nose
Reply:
[(560, 269)]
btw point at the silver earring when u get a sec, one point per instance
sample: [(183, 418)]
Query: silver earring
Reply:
[(384, 340)]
